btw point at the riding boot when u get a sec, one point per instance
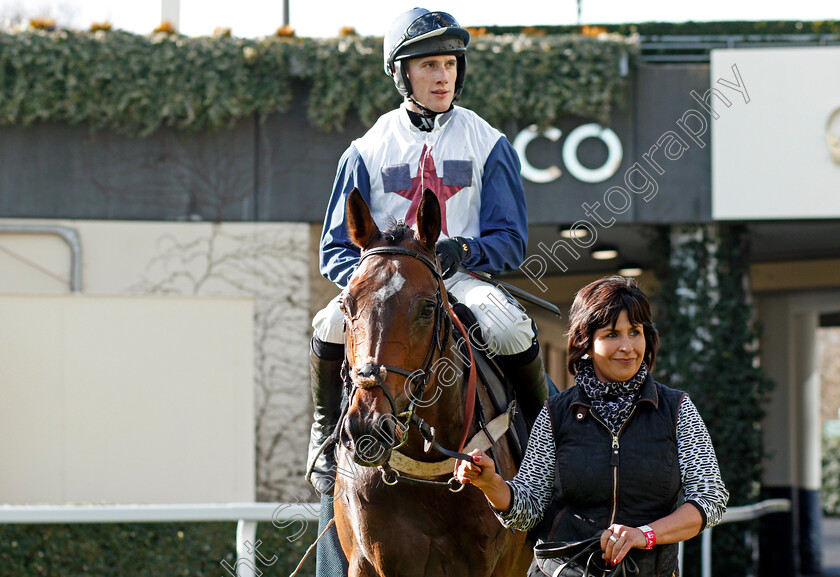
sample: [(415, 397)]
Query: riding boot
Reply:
[(525, 370), (325, 366)]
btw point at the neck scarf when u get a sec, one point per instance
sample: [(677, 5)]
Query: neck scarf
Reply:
[(613, 402), (424, 122)]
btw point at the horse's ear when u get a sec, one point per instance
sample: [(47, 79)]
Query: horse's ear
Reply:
[(360, 224), (428, 219)]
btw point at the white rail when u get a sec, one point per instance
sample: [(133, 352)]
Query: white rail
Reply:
[(282, 515), (734, 515), (247, 515)]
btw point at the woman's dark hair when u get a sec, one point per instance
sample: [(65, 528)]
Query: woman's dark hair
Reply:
[(599, 304)]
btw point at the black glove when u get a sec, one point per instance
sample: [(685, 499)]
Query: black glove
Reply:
[(451, 252)]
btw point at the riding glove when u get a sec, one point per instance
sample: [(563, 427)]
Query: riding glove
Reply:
[(451, 252)]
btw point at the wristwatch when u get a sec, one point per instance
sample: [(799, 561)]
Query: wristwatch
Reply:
[(650, 536)]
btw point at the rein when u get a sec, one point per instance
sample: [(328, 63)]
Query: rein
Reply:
[(372, 375)]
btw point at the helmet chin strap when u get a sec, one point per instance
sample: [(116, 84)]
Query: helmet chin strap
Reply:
[(427, 112)]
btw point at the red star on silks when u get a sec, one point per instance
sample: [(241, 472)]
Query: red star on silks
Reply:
[(427, 174)]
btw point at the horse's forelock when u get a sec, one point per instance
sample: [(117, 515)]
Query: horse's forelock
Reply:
[(400, 233)]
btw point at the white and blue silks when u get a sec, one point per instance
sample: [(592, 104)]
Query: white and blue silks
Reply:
[(474, 171)]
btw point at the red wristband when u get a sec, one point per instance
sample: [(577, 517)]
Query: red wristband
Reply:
[(650, 536)]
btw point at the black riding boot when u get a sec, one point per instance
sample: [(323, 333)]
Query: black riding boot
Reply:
[(325, 364), (525, 370)]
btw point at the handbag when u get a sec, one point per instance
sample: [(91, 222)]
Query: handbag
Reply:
[(578, 559)]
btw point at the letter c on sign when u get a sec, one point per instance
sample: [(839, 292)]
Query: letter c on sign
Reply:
[(521, 142), (614, 153)]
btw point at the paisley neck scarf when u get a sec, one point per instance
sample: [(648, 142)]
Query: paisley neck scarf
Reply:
[(613, 402)]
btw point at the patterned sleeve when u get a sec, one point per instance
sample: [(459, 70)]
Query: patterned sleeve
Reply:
[(533, 486), (701, 480)]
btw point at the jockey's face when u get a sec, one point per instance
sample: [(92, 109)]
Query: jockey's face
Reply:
[(433, 81)]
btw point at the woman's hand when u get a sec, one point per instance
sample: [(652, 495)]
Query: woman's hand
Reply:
[(617, 541), (480, 473)]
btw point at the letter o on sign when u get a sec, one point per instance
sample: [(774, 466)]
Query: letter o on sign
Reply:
[(614, 153)]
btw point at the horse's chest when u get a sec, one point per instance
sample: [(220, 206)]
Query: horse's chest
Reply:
[(416, 532)]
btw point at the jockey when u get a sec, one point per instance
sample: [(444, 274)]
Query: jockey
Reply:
[(428, 142)]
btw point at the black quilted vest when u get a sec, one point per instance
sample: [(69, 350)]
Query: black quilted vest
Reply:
[(632, 479)]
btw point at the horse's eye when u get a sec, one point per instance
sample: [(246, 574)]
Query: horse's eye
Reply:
[(428, 310)]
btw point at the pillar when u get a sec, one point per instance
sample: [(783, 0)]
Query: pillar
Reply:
[(170, 11), (807, 381), (778, 537)]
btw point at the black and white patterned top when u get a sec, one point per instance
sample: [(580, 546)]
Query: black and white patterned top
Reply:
[(533, 486)]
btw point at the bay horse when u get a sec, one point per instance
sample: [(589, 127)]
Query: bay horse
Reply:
[(397, 511)]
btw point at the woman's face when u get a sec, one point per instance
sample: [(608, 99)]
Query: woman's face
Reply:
[(617, 352)]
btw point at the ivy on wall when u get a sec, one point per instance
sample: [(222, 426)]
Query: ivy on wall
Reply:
[(708, 349), (830, 495), (135, 84), (717, 28)]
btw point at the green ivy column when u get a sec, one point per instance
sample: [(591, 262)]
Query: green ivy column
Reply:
[(709, 349)]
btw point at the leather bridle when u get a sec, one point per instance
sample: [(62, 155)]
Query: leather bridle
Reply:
[(371, 373)]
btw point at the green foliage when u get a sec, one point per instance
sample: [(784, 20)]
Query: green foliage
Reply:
[(143, 549), (347, 75), (831, 476), (733, 27), (539, 79), (708, 348), (135, 84)]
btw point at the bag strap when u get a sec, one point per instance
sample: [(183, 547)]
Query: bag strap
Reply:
[(626, 566), (552, 549), (592, 548)]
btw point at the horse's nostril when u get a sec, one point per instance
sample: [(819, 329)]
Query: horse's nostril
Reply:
[(386, 431), (345, 439), (370, 450), (368, 441)]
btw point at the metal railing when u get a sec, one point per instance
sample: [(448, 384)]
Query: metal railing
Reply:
[(675, 49), (282, 515), (246, 515), (734, 515)]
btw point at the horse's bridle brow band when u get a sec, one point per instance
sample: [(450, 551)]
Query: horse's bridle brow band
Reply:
[(403, 251)]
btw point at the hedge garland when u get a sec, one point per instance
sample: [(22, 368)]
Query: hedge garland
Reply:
[(716, 28), (708, 348), (134, 84)]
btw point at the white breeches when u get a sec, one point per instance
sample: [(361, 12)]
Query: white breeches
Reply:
[(506, 328)]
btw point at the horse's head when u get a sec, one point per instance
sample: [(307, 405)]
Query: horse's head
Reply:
[(395, 325)]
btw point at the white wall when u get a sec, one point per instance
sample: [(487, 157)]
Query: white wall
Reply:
[(267, 263), (126, 399), (770, 156)]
